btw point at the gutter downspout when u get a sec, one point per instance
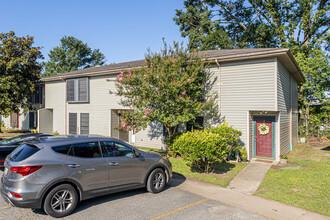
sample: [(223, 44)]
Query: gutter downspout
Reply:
[(65, 108), (218, 64)]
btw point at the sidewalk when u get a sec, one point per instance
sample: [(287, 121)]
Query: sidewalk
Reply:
[(249, 179), (263, 207)]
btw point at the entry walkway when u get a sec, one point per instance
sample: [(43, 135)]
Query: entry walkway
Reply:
[(257, 205), (249, 179)]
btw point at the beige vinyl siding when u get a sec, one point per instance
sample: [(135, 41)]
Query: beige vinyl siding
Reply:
[(55, 99), (284, 106), (213, 90), (6, 121), (246, 86), (99, 109), (294, 90)]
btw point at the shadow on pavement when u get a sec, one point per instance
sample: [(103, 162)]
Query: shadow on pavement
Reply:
[(86, 204), (326, 148)]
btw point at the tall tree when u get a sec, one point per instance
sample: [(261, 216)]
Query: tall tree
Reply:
[(19, 70), (72, 54), (301, 25), (221, 24), (171, 88)]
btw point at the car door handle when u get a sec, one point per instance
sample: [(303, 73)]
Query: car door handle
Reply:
[(114, 164), (73, 165)]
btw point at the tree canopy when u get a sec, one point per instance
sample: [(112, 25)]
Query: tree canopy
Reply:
[(171, 88), (225, 24), (72, 54), (19, 70)]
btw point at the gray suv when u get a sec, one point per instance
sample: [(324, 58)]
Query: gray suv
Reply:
[(57, 173)]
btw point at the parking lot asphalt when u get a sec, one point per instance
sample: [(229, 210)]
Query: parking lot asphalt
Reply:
[(172, 203)]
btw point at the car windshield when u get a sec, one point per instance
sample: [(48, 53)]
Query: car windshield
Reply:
[(13, 139)]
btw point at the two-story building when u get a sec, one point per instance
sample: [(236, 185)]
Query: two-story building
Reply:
[(27, 120), (257, 94)]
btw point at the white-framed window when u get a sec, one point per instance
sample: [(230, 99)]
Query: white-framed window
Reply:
[(77, 90)]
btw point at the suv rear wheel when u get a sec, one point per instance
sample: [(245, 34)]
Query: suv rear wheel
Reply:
[(156, 181), (61, 201)]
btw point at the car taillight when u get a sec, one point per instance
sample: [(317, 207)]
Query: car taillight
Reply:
[(24, 171), (16, 195)]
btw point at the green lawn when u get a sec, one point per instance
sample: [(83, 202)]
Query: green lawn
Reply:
[(304, 182), (7, 133), (223, 174)]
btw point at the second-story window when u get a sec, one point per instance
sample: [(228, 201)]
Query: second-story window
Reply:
[(77, 90), (36, 97)]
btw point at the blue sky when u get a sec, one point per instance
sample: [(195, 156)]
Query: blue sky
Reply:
[(122, 30)]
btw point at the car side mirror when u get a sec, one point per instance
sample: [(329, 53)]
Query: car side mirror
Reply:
[(136, 153)]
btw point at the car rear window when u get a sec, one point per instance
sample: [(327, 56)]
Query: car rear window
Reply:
[(23, 152), (62, 149), (87, 150)]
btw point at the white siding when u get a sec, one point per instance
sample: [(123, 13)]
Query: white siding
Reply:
[(213, 88), (294, 90), (284, 106), (246, 86), (55, 99), (6, 121), (99, 109)]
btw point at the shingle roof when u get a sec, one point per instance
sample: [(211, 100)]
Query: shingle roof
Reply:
[(226, 54)]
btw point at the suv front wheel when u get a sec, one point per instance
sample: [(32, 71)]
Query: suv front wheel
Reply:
[(156, 181), (61, 201)]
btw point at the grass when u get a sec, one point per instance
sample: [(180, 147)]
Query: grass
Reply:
[(304, 182), (7, 133), (222, 175)]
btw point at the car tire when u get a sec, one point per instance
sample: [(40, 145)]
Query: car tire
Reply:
[(156, 181), (61, 201)]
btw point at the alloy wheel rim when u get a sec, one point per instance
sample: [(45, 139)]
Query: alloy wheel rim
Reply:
[(158, 181), (61, 201)]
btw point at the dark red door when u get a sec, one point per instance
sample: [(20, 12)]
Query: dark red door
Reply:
[(264, 138)]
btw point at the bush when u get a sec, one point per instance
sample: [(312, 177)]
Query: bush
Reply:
[(172, 151), (201, 149)]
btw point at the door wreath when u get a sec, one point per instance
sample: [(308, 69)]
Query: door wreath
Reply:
[(263, 129)]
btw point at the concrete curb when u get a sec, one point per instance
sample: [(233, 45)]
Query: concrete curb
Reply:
[(263, 207)]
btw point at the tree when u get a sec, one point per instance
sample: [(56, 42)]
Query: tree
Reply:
[(316, 68), (19, 70), (72, 54), (301, 25), (171, 88), (223, 24)]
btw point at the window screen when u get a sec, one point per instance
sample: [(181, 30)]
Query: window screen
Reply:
[(77, 90), (70, 90), (84, 123), (72, 123)]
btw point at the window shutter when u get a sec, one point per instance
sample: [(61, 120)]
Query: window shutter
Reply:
[(83, 89), (72, 123), (37, 95), (31, 120), (84, 123), (70, 90), (40, 94)]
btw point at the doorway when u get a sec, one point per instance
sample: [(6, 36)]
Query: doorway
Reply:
[(115, 122), (264, 132)]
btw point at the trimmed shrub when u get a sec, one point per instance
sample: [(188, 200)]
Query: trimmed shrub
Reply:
[(201, 149)]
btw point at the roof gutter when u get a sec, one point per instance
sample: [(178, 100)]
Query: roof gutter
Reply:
[(212, 59)]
